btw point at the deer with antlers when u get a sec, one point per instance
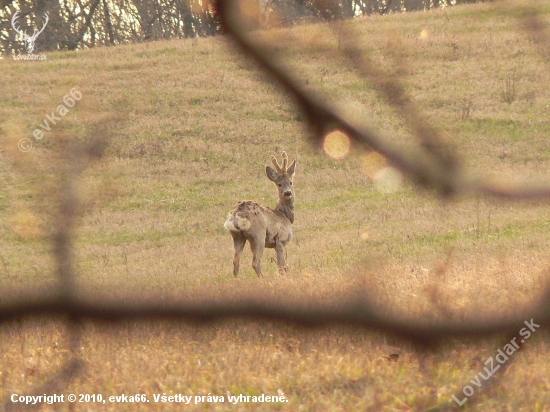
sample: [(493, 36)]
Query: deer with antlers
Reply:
[(29, 40), (262, 226)]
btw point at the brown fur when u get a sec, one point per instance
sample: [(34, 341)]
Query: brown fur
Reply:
[(262, 226)]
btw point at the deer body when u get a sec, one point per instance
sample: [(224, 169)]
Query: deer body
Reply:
[(262, 226)]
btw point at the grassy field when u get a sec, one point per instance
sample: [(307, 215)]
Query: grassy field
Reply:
[(190, 126)]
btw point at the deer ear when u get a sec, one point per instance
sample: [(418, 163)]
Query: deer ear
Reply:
[(271, 174), (291, 168)]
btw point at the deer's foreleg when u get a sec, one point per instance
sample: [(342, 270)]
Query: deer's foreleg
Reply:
[(280, 249)]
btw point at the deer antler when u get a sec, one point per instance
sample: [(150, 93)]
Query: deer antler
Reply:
[(35, 34), (276, 164), (15, 17), (282, 170)]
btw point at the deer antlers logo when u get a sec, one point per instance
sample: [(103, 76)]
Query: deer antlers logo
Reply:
[(29, 40)]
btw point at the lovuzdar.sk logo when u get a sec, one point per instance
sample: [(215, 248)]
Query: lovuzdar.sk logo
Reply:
[(29, 40)]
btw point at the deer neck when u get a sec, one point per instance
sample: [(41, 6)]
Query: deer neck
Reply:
[(286, 208)]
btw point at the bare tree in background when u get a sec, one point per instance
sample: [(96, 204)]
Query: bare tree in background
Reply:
[(78, 24)]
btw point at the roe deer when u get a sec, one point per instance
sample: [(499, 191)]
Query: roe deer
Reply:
[(262, 226)]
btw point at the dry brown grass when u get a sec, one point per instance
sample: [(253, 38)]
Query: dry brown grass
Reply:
[(194, 124)]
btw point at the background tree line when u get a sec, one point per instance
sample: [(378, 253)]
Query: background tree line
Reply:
[(75, 24)]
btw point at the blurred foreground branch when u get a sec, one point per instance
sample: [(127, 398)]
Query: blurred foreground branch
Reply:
[(350, 311)]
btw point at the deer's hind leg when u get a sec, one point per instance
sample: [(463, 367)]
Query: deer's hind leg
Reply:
[(238, 241)]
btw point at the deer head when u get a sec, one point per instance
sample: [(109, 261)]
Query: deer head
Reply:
[(29, 40), (282, 177)]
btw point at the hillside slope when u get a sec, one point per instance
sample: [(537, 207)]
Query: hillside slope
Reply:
[(190, 125)]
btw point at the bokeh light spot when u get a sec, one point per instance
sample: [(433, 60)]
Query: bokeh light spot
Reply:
[(372, 163), (388, 180), (336, 144)]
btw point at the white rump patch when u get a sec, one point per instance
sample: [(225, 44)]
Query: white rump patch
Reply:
[(237, 223), (229, 224), (242, 222)]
